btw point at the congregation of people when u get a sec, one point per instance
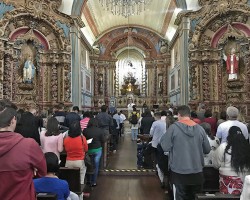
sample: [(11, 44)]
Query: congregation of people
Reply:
[(182, 142)]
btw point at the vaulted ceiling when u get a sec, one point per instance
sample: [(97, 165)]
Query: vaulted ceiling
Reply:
[(158, 17)]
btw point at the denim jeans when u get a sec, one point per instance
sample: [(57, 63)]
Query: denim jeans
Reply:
[(97, 157), (134, 133)]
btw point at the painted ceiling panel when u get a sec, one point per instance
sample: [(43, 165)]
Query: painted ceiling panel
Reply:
[(153, 17)]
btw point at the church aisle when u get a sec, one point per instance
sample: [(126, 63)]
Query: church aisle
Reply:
[(134, 185), (126, 154), (128, 188)]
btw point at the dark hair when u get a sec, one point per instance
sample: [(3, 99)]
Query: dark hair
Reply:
[(74, 129), (147, 113), (207, 127), (103, 108), (164, 113), (157, 114), (169, 120), (223, 115), (86, 114), (208, 113), (60, 106), (75, 108), (193, 114), (7, 112), (121, 111), (240, 148), (52, 127), (92, 123), (184, 111), (52, 162)]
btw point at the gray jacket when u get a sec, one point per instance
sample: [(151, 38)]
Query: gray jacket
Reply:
[(186, 143)]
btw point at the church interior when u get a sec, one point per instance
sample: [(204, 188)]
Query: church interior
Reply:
[(154, 54)]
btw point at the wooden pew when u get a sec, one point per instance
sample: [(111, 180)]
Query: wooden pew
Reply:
[(216, 196), (72, 176), (211, 179), (46, 196)]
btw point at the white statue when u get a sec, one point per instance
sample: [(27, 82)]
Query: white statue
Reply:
[(28, 71)]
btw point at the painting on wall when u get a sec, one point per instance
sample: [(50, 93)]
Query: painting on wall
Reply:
[(173, 82), (179, 78), (87, 83)]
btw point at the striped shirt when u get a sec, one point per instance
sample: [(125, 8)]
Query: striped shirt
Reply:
[(84, 123)]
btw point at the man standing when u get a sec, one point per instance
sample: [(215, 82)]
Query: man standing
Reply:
[(186, 143), (105, 121), (122, 119), (20, 158), (72, 116), (222, 130)]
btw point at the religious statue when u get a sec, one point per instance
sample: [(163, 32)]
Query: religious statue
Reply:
[(28, 71), (232, 62)]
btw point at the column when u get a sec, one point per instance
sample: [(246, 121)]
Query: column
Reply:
[(184, 64), (75, 66)]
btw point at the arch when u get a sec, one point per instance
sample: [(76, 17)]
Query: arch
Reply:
[(239, 26), (24, 30), (77, 7)]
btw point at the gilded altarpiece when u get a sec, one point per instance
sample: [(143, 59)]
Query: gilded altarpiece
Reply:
[(216, 29), (154, 89), (35, 53)]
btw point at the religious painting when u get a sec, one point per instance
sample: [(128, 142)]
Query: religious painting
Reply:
[(173, 82), (87, 83), (179, 78)]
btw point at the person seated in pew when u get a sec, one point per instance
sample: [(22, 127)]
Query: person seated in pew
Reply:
[(213, 141), (51, 183), (233, 160)]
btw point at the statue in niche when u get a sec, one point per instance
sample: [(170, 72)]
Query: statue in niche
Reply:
[(28, 70), (100, 84), (232, 64)]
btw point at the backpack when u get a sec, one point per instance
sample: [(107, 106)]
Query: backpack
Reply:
[(133, 119)]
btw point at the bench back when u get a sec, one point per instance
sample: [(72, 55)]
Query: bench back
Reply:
[(72, 176), (211, 177), (46, 196), (216, 196)]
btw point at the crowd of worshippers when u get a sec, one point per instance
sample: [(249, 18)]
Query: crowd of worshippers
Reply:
[(30, 149), (184, 142)]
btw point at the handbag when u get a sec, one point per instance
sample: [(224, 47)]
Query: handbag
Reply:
[(89, 162)]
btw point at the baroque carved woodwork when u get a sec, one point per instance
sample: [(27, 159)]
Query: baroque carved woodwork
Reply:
[(103, 62), (35, 29), (216, 28)]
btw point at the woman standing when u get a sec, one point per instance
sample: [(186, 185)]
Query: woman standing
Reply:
[(52, 139), (233, 160), (75, 146), (95, 147)]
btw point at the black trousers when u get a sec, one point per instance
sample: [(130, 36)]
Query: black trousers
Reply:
[(186, 192)]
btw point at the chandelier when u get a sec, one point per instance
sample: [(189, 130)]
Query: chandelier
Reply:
[(125, 8)]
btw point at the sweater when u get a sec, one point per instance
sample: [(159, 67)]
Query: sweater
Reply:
[(186, 143), (75, 147), (52, 143), (98, 137), (19, 157)]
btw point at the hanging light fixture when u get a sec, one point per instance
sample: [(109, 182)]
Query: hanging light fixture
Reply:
[(125, 8)]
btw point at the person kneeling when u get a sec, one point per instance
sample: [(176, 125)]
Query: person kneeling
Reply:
[(51, 183)]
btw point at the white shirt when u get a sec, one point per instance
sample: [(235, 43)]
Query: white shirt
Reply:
[(122, 118), (245, 195), (223, 128)]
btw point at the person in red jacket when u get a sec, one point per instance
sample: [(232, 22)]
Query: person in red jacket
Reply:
[(20, 158), (75, 146)]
